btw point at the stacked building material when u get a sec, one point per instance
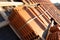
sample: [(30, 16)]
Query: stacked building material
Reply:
[(51, 10), (30, 22), (26, 24), (54, 36), (54, 33)]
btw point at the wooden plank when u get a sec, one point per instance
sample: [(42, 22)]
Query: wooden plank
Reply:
[(10, 3)]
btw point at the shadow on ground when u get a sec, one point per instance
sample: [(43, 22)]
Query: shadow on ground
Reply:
[(6, 33)]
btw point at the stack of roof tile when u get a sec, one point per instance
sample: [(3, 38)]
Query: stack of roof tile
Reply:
[(31, 22), (26, 24), (48, 7), (54, 33)]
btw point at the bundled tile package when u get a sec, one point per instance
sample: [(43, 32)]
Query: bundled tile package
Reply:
[(27, 24), (31, 22)]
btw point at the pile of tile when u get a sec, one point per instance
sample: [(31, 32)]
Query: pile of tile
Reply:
[(54, 33), (54, 36), (31, 21)]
